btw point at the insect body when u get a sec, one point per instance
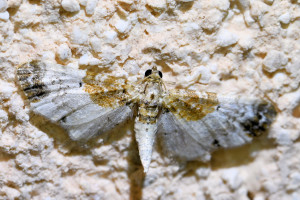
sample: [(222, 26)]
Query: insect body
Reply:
[(190, 124), (145, 126)]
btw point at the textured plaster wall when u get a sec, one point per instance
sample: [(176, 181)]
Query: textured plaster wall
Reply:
[(239, 47)]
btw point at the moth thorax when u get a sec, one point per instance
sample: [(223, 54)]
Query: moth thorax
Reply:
[(152, 92)]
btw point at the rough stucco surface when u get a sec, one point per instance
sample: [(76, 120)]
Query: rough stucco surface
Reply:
[(230, 47)]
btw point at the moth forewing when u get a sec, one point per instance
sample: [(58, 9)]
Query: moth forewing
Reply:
[(197, 123), (73, 99), (189, 104)]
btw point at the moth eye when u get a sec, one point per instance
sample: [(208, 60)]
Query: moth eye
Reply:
[(160, 74), (148, 72)]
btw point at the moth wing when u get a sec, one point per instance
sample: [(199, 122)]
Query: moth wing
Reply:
[(69, 98), (194, 124)]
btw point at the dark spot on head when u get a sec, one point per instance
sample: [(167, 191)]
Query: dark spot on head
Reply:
[(80, 84), (160, 74), (148, 72), (218, 107), (152, 96)]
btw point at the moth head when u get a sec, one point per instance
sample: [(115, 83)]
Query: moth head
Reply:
[(153, 73)]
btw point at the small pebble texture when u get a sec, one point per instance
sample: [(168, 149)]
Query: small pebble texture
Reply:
[(236, 47)]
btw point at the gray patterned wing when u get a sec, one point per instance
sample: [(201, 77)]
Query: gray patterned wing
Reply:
[(194, 124), (74, 99)]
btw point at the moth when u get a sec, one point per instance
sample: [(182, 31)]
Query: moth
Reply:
[(189, 124)]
